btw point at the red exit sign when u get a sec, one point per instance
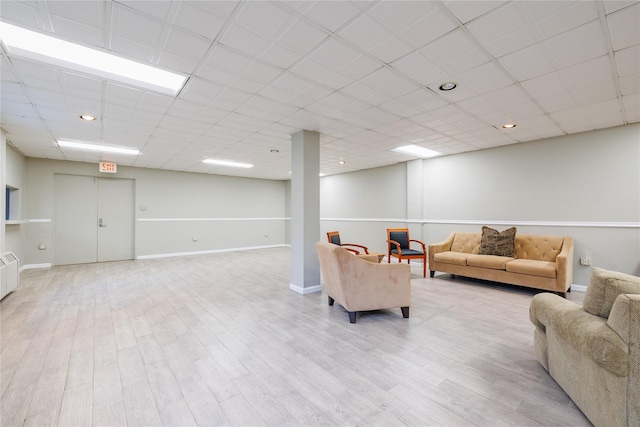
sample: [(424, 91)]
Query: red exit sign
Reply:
[(108, 167)]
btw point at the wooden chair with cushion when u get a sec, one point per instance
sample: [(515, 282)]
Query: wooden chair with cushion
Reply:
[(398, 246), (334, 237)]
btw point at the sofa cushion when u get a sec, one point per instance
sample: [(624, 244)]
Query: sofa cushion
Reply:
[(533, 267), (488, 261), (604, 287), (468, 243), (450, 257), (537, 247), (500, 243)]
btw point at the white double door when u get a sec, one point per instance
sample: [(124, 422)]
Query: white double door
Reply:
[(94, 219)]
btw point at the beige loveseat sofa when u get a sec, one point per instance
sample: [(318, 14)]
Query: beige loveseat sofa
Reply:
[(541, 262), (593, 351), (361, 284)]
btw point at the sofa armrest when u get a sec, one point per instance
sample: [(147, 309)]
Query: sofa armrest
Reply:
[(544, 306), (443, 246), (624, 319), (564, 265), (585, 332)]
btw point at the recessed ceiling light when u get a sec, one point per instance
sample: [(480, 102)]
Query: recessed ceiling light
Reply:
[(417, 151), (44, 48), (227, 163), (508, 125), (448, 86), (88, 117), (97, 147), (275, 150)]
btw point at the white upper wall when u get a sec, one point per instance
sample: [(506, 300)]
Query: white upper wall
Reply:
[(593, 176)]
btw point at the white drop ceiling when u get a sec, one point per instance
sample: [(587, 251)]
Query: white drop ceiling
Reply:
[(364, 74)]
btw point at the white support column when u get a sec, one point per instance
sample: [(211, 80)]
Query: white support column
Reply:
[(305, 211)]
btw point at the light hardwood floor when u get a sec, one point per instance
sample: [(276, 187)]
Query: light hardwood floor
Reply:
[(221, 340)]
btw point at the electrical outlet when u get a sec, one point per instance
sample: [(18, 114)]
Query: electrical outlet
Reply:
[(585, 261)]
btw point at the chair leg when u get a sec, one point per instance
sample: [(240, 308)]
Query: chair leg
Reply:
[(331, 300), (352, 317), (432, 273), (424, 268), (405, 312)]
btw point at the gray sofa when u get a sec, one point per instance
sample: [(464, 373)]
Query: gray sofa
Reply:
[(593, 351)]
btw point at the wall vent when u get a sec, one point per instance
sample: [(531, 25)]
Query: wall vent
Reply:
[(8, 273)]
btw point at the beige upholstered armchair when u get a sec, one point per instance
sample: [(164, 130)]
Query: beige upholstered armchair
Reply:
[(360, 285), (593, 351)]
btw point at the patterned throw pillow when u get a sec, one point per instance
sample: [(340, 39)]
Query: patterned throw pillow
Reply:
[(498, 243)]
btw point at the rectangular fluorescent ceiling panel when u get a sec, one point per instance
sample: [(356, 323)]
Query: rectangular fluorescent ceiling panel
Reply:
[(416, 151), (227, 163), (43, 48), (95, 147)]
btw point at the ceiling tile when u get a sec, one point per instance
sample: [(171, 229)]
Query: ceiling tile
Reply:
[(624, 28), (263, 18), (628, 61), (132, 25), (507, 97), (556, 17), (91, 35), (467, 10), (485, 78), (558, 102), (331, 15), (591, 72), (390, 49), (155, 8), (279, 56), (505, 29), (456, 52), (630, 84), (333, 53), (228, 60), (192, 17), (302, 37), (530, 62), (365, 32), (431, 26), (21, 13), (244, 41), (579, 45)]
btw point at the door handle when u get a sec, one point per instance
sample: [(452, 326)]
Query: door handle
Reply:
[(101, 223)]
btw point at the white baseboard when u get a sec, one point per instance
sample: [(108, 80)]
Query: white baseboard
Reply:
[(578, 288), (305, 291), (32, 266), (212, 251)]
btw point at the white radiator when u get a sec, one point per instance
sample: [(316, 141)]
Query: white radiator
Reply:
[(8, 273)]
